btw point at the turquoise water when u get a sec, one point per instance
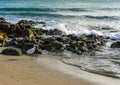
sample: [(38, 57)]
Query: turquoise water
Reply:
[(76, 14)]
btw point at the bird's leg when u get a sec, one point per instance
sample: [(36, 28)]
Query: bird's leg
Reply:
[(31, 58)]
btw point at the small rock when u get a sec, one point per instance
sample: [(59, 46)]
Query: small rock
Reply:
[(12, 51), (27, 22), (115, 44), (56, 32)]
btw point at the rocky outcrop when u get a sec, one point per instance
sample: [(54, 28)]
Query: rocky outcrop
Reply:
[(23, 36), (85, 43)]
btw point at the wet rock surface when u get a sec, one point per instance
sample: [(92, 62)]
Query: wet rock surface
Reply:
[(24, 36), (115, 44)]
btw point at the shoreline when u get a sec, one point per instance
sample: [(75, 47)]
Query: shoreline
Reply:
[(52, 62), (20, 70), (47, 69)]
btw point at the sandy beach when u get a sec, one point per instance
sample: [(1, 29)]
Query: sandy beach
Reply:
[(20, 70), (47, 69)]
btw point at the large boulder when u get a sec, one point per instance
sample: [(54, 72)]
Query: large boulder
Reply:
[(115, 44), (12, 51)]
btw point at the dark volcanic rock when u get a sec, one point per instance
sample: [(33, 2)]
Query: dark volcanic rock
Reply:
[(2, 20), (51, 44), (115, 44), (57, 46), (12, 51), (85, 43), (63, 39), (56, 32), (26, 22), (5, 27), (41, 31), (72, 37), (2, 42)]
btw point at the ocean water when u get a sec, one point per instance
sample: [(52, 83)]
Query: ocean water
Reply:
[(77, 15), (100, 17)]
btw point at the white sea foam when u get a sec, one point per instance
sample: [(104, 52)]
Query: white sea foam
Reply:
[(113, 36), (60, 26)]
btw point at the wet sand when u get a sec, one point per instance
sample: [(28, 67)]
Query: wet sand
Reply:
[(53, 62), (20, 70)]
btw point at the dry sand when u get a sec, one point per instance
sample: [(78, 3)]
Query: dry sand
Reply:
[(20, 70)]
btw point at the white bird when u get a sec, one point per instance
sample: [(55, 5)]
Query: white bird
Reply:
[(31, 51)]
